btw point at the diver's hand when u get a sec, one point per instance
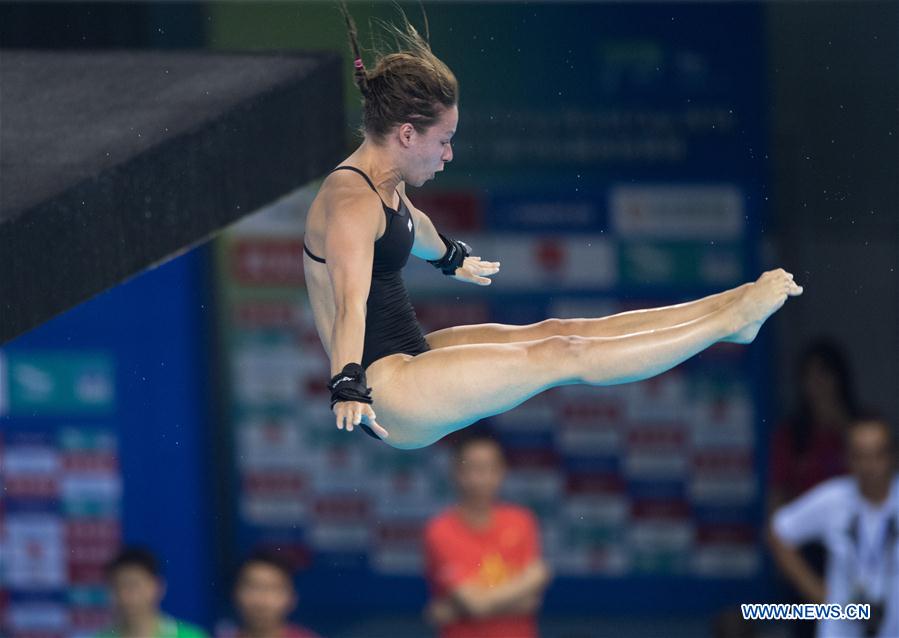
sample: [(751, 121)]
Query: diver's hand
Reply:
[(475, 271), (351, 413)]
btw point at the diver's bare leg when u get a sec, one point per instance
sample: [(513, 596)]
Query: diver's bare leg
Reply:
[(629, 322), (423, 398)]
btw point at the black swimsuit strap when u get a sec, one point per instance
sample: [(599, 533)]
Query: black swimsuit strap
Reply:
[(367, 179), (353, 168)]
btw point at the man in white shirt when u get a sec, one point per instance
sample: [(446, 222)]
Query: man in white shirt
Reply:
[(856, 517)]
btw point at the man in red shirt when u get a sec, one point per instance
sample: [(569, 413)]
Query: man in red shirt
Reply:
[(483, 557)]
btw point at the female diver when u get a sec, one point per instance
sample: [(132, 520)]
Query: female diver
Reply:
[(425, 386)]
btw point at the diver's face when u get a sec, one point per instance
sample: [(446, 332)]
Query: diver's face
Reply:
[(434, 148)]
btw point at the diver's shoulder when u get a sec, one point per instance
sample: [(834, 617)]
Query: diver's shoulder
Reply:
[(346, 187)]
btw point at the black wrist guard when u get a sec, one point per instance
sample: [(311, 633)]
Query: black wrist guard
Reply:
[(349, 385), (456, 252)]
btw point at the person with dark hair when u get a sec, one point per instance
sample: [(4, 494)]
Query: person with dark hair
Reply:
[(137, 586), (809, 446), (482, 557), (361, 228), (856, 517), (264, 596)]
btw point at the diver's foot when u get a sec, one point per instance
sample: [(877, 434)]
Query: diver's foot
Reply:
[(761, 300)]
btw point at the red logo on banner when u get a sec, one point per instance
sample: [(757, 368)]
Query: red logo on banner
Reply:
[(265, 314), (32, 486), (593, 483), (550, 254), (450, 211), (273, 262)]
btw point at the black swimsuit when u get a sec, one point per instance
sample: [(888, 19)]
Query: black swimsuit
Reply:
[(390, 322)]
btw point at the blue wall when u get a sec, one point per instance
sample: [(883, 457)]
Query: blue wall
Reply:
[(153, 328)]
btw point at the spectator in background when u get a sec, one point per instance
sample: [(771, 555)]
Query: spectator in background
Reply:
[(137, 587), (483, 557), (857, 519), (264, 597), (809, 446)]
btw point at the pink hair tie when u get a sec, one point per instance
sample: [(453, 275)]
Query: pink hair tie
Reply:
[(358, 63)]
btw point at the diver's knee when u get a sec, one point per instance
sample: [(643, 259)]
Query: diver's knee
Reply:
[(558, 349), (559, 358), (554, 326)]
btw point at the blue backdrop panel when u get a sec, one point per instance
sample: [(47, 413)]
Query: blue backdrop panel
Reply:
[(150, 331)]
